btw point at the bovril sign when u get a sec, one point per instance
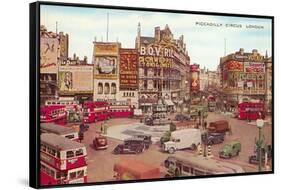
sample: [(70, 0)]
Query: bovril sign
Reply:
[(156, 56)]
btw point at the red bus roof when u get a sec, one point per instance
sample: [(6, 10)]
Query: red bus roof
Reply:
[(137, 168), (59, 142), (57, 129), (48, 107)]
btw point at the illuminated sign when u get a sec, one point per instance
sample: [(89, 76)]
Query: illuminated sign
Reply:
[(254, 67), (156, 56), (128, 69)]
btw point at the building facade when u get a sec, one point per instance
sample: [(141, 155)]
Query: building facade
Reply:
[(75, 80), (268, 79), (106, 71), (53, 49), (163, 70), (243, 76)]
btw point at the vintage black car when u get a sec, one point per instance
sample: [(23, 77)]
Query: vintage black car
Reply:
[(146, 139), (215, 138), (182, 117), (132, 145), (254, 159)]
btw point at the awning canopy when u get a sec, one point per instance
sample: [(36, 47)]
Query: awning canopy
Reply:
[(169, 102)]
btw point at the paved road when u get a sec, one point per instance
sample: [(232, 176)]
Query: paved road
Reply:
[(100, 163)]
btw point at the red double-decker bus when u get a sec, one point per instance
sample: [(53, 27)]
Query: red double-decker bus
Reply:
[(53, 113), (62, 161), (60, 130), (119, 110), (251, 110), (95, 111)]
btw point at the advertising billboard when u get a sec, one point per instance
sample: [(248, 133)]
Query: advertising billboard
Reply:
[(110, 49), (156, 56), (128, 69), (254, 67), (75, 79), (194, 85), (106, 67), (49, 55)]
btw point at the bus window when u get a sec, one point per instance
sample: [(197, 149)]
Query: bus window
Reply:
[(79, 152), (69, 136), (72, 175), (51, 151), (58, 175), (52, 173), (186, 169), (69, 154), (80, 173)]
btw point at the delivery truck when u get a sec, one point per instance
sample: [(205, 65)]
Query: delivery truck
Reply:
[(182, 139)]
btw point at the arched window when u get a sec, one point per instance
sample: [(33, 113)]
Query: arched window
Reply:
[(113, 88), (106, 88), (100, 88)]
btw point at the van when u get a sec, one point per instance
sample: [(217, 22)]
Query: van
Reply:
[(181, 139), (230, 149), (220, 126)]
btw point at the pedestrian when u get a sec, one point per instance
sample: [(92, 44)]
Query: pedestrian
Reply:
[(101, 128), (205, 125), (230, 130), (105, 128), (81, 136)]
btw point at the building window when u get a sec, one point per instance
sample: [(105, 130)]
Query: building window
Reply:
[(113, 88), (106, 88), (100, 88)]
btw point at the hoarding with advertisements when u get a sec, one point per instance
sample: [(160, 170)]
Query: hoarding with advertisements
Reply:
[(128, 69), (194, 85), (106, 67), (76, 79), (233, 65), (254, 67), (156, 56), (103, 49), (49, 54)]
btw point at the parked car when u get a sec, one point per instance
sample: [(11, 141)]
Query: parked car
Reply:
[(100, 142), (215, 138), (146, 139), (220, 126), (132, 145), (182, 139), (157, 121), (254, 159), (182, 117), (230, 149)]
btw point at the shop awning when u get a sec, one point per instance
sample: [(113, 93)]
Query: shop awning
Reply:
[(169, 102)]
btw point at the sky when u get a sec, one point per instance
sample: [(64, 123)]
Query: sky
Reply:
[(205, 44)]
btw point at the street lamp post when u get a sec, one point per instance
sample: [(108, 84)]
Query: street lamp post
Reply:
[(260, 124)]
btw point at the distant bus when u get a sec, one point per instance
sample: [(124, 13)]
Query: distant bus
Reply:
[(251, 110), (66, 132), (120, 109), (53, 113), (211, 103), (199, 166), (95, 111), (62, 161)]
